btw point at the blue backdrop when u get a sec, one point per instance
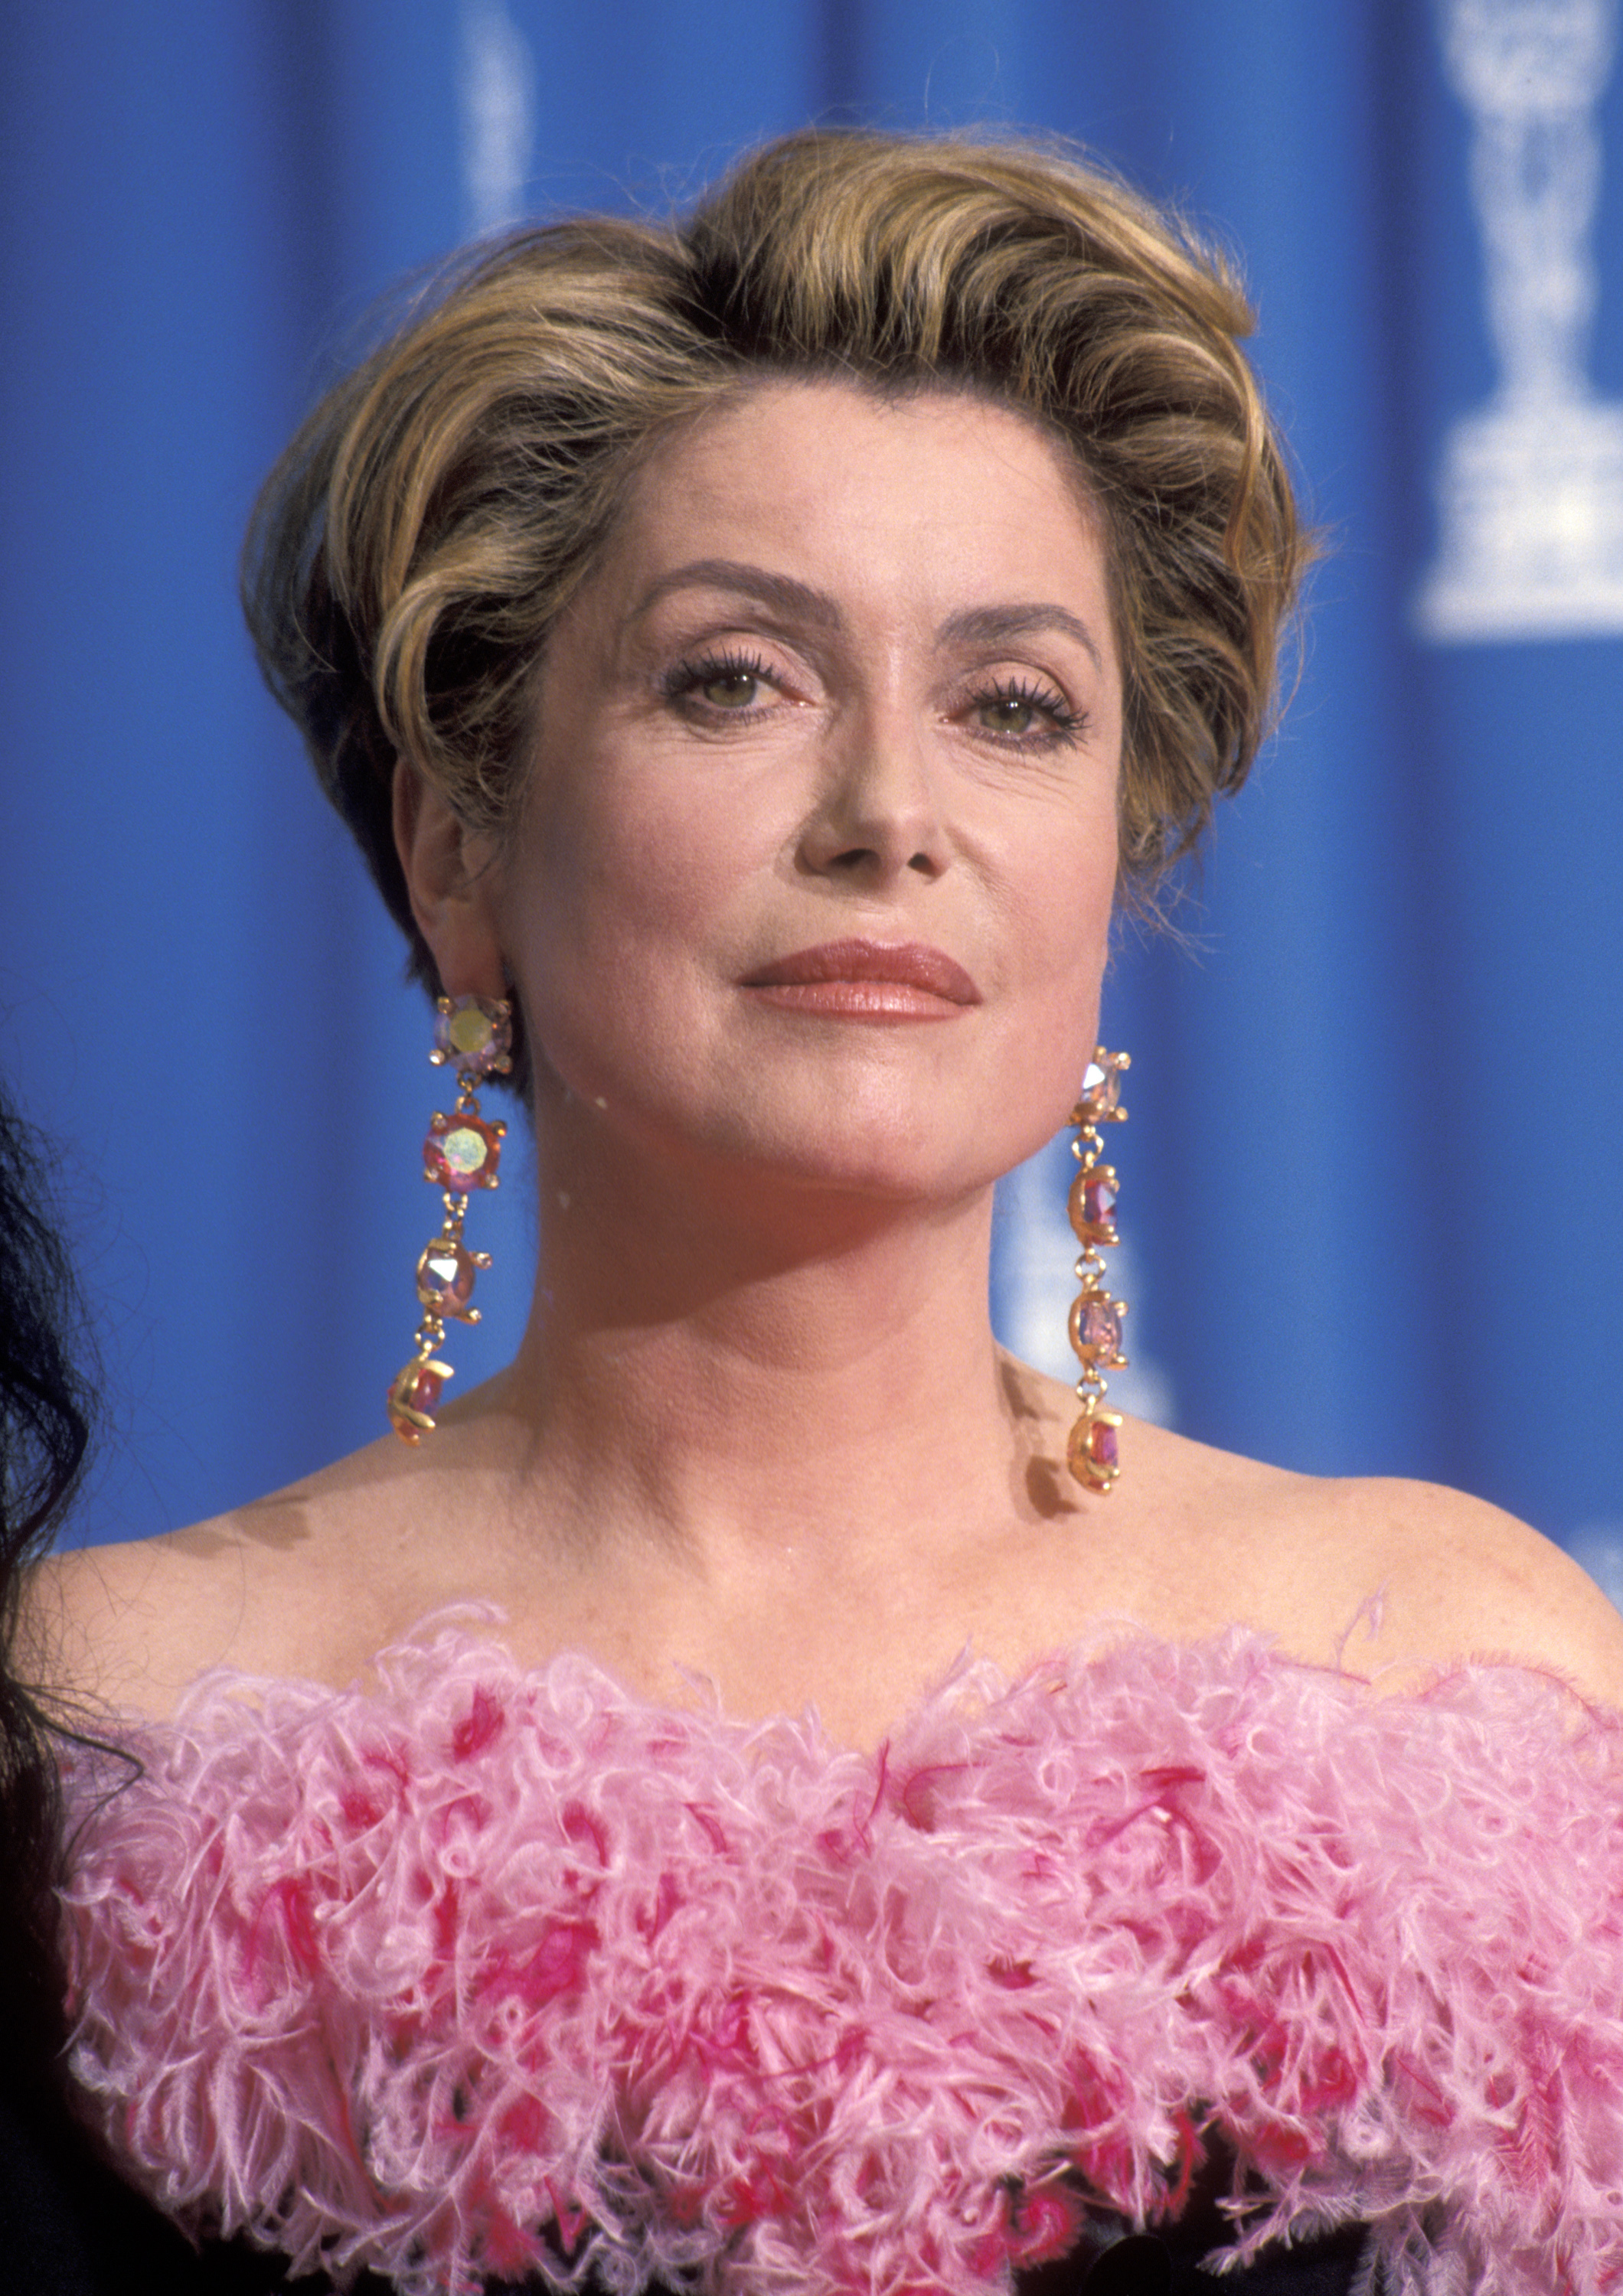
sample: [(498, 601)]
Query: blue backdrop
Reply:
[(1371, 1181)]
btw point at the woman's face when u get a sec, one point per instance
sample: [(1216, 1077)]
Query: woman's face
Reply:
[(814, 875)]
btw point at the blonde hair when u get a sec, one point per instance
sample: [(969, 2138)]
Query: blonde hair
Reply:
[(414, 546)]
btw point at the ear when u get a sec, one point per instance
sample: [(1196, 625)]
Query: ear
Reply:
[(450, 875)]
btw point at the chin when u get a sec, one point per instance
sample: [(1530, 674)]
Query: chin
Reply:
[(879, 1165)]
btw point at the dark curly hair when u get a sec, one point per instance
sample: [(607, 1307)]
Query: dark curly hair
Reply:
[(45, 1420)]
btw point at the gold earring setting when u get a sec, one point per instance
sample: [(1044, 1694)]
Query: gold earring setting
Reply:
[(473, 1035), (1092, 1453)]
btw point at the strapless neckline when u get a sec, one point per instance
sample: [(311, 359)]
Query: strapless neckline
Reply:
[(487, 1969)]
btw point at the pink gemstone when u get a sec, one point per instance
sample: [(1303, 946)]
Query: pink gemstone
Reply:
[(1096, 1329), (417, 1389), (424, 1391), (1092, 1451), (462, 1152), (1099, 1195), (445, 1278), (1092, 1201)]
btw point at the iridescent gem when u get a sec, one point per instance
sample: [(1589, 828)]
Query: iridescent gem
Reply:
[(474, 1034), (445, 1273), (1096, 1329), (1101, 1092), (1101, 1087), (462, 1152), (1093, 1194)]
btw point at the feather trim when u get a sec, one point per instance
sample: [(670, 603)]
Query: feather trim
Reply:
[(485, 1972)]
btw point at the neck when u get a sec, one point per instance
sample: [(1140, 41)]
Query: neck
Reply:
[(745, 1368)]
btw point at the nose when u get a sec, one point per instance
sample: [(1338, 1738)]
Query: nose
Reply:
[(877, 815)]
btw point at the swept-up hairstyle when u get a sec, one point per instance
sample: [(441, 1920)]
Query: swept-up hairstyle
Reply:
[(416, 544)]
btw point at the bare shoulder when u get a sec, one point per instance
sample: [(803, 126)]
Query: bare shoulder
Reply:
[(1397, 1578), (288, 1585), (1461, 1580), (126, 1628), (123, 1628)]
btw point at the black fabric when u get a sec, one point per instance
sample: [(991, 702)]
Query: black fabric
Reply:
[(1168, 2262), (1326, 2266), (1146, 2264), (70, 2227)]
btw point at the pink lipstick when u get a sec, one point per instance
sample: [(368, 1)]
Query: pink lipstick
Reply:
[(867, 980)]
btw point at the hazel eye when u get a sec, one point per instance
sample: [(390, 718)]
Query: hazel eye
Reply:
[(1025, 714), (722, 684), (1009, 713), (730, 689)]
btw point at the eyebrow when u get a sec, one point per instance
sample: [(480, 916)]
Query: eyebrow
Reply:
[(796, 600), (987, 625), (799, 601)]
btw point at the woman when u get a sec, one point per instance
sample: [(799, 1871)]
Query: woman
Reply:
[(760, 653)]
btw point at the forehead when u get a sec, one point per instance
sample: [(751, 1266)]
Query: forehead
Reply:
[(766, 402), (936, 486)]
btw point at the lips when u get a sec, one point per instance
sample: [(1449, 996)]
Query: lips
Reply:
[(869, 979)]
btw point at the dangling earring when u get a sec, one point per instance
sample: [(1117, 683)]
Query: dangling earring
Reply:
[(474, 1036), (1096, 1318)]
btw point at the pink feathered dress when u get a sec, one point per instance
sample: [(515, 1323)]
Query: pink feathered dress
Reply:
[(481, 1973)]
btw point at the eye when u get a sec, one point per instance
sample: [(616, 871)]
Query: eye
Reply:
[(729, 684), (730, 689), (1008, 713), (1018, 711)]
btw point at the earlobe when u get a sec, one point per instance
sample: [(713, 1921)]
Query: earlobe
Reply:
[(448, 871)]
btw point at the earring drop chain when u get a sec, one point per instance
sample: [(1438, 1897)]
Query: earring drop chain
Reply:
[(461, 1152), (1092, 1452)]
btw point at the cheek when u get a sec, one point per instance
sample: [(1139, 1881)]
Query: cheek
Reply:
[(653, 876), (618, 905), (1067, 891), (1053, 1054), (1060, 935)]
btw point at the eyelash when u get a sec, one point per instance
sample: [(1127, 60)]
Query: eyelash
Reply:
[(685, 680), (1066, 725)]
